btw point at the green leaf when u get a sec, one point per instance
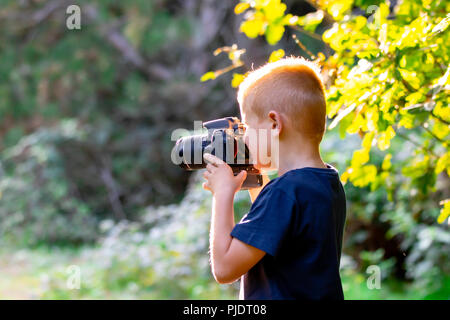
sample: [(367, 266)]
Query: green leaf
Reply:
[(442, 25), (367, 140), (360, 157), (310, 21), (386, 165), (443, 164), (445, 211), (338, 8), (363, 176), (341, 115), (274, 10), (274, 33), (384, 140), (252, 28)]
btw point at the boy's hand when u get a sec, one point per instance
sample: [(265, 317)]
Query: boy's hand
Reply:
[(230, 258), (219, 176)]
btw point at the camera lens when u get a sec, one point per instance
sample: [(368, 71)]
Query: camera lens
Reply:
[(190, 151), (220, 143)]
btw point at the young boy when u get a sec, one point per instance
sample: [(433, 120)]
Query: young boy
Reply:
[(288, 246)]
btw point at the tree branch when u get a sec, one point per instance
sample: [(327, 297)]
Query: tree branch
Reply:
[(439, 118), (112, 189), (432, 134), (126, 49), (314, 4), (301, 45), (43, 14), (309, 34), (421, 147)]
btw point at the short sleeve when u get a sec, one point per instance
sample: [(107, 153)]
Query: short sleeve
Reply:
[(267, 223)]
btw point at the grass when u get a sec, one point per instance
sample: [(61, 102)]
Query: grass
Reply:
[(356, 288), (28, 273)]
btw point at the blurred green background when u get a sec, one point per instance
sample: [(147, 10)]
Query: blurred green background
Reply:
[(86, 179)]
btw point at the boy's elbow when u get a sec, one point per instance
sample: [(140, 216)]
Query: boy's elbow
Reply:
[(224, 279), (222, 276)]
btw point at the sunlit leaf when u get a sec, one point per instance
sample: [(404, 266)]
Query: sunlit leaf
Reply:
[(276, 55), (363, 176), (445, 211), (360, 157), (367, 140), (442, 25), (252, 28), (290, 19), (358, 123), (210, 75), (338, 8), (341, 115), (237, 79), (386, 165), (274, 33), (241, 7), (443, 163), (274, 9), (311, 20), (384, 140)]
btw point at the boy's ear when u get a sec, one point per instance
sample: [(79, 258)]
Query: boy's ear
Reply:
[(276, 121)]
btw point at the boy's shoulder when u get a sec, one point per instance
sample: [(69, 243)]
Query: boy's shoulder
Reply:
[(288, 204), (303, 183)]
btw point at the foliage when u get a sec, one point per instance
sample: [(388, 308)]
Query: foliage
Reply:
[(38, 203), (389, 77), (170, 261), (87, 116), (386, 68), (167, 261), (402, 237), (124, 81), (130, 73)]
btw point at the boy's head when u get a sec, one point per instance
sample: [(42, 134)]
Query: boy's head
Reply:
[(287, 95)]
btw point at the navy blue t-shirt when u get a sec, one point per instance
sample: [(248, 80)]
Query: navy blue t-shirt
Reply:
[(298, 220)]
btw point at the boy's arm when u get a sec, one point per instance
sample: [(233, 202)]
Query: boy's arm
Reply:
[(230, 257)]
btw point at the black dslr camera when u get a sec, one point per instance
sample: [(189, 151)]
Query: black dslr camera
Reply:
[(223, 140)]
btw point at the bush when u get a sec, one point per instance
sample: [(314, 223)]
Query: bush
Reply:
[(39, 203), (164, 257)]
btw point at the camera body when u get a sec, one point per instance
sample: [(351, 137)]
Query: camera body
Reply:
[(224, 140)]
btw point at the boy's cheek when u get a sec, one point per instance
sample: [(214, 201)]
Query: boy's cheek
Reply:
[(264, 153)]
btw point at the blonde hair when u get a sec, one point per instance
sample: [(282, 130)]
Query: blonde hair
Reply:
[(291, 86)]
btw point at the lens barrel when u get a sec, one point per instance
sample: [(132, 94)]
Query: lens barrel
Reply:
[(220, 143), (223, 140)]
